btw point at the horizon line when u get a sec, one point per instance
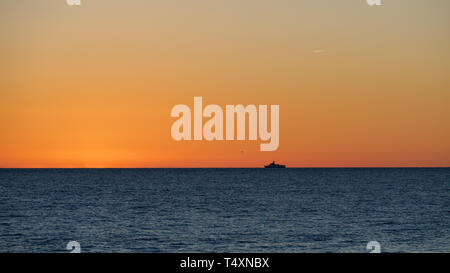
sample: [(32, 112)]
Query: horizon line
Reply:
[(304, 167)]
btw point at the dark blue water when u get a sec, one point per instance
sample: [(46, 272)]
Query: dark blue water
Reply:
[(225, 210)]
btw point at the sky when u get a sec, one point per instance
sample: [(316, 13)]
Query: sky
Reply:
[(93, 85)]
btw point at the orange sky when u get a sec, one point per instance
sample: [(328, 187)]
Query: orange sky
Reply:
[(93, 86)]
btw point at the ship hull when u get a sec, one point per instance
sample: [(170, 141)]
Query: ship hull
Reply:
[(275, 167)]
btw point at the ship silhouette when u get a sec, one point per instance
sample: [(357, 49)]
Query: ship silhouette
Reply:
[(274, 165)]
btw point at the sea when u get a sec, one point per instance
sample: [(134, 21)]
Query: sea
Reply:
[(293, 210)]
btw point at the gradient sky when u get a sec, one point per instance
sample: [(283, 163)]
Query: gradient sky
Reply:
[(93, 86)]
